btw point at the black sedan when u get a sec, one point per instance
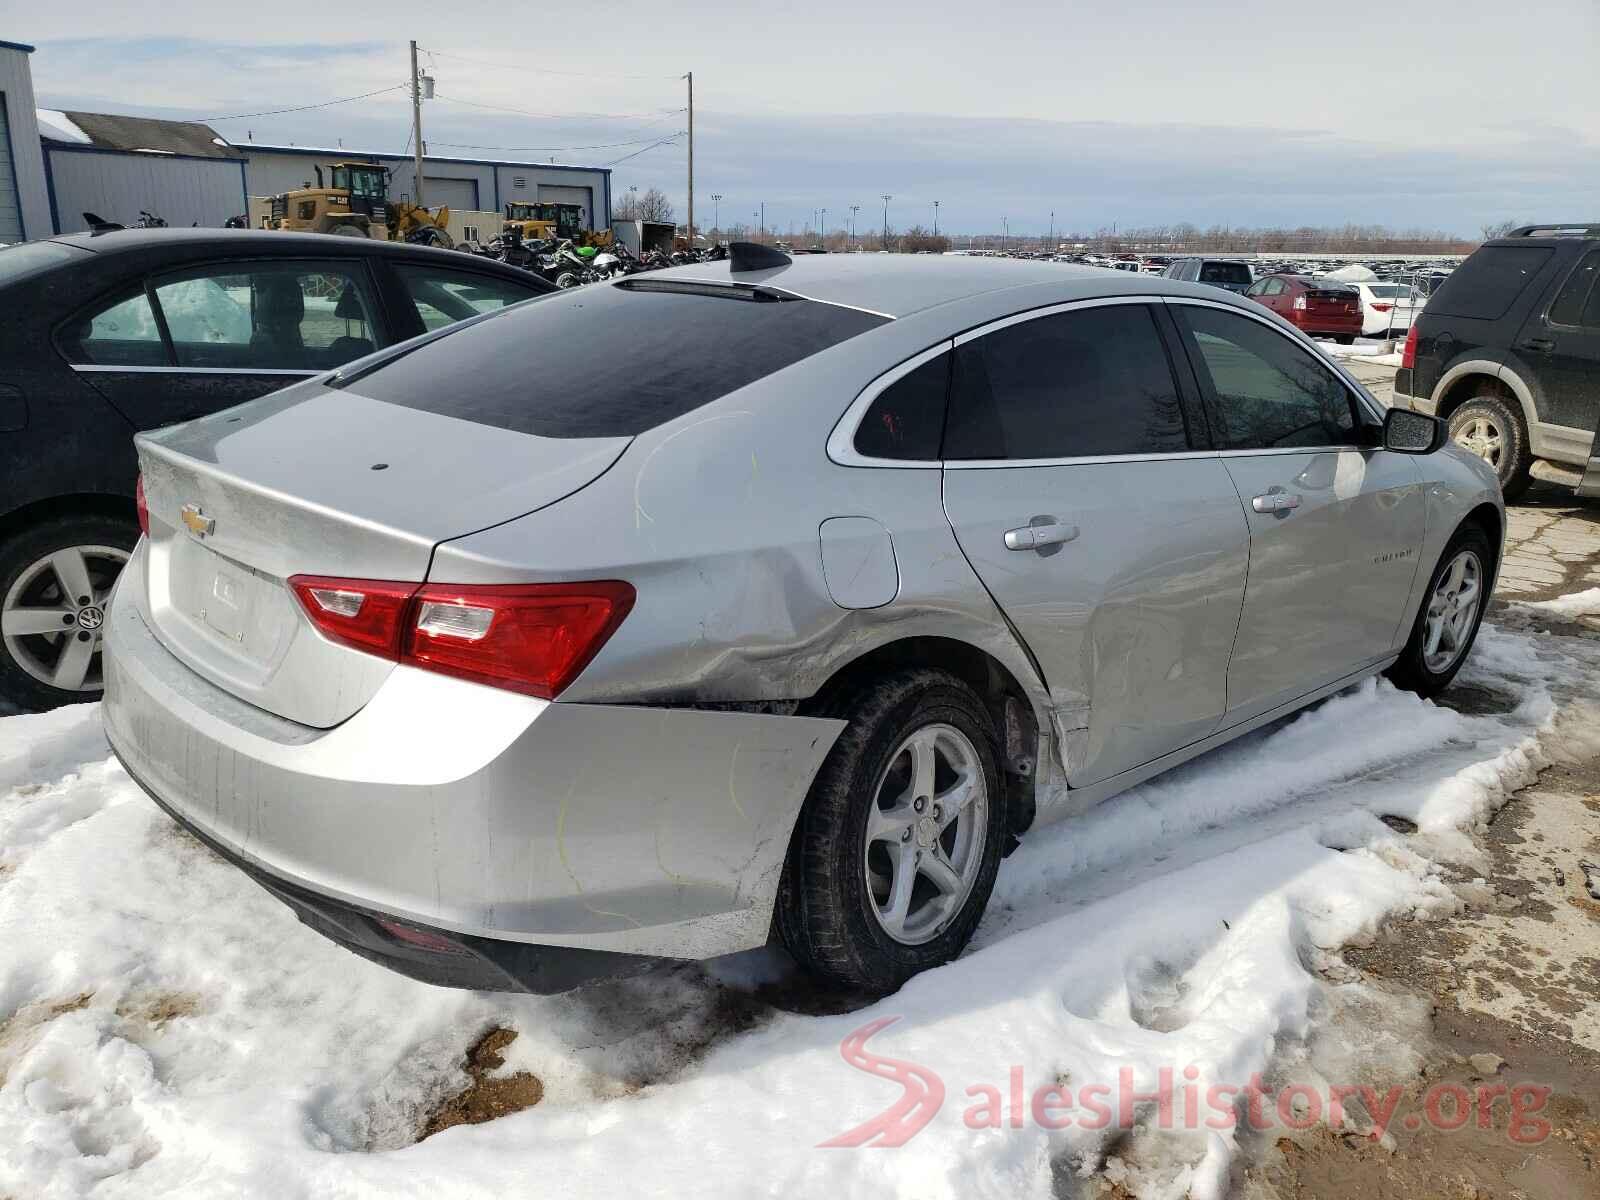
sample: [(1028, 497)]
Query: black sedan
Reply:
[(107, 334)]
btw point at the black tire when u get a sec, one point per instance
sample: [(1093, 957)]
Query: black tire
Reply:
[(825, 910), (21, 552), (1514, 460), (1411, 670), (1345, 339)]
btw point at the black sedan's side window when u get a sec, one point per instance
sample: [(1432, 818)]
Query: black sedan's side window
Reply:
[(1084, 383), (444, 297), (121, 332), (268, 316), (1263, 391)]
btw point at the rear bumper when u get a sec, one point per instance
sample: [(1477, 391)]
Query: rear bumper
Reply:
[(453, 807), (435, 956)]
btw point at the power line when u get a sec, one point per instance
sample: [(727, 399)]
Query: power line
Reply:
[(663, 142), (544, 70), (593, 146), (305, 107), (533, 149), (555, 116)]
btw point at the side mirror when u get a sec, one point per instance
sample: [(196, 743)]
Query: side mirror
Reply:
[(1407, 432)]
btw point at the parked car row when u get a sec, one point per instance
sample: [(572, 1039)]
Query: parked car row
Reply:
[(114, 333)]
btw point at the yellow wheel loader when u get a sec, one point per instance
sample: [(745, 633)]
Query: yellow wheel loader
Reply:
[(356, 204), (552, 222)]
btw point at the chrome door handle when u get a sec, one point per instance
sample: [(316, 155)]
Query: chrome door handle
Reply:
[(1034, 537), (1274, 502)]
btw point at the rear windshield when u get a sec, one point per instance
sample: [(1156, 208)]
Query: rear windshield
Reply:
[(29, 257), (1225, 272), (1332, 286), (609, 360), (1487, 284)]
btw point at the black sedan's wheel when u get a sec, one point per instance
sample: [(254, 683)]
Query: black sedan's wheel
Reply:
[(1447, 624), (896, 851), (55, 580)]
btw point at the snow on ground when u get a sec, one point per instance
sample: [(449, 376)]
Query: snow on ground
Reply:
[(166, 1028), (1367, 350), (1577, 604)]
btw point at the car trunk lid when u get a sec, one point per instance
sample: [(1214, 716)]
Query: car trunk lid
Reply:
[(315, 481)]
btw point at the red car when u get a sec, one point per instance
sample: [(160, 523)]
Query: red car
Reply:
[(1318, 307)]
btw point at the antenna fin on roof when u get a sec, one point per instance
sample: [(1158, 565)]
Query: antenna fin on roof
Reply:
[(100, 225), (753, 256)]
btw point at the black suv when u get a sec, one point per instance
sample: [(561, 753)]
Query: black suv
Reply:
[(1226, 273), (111, 333), (1508, 352)]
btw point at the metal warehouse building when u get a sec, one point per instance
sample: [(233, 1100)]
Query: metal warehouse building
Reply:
[(24, 196), (55, 166), (463, 183), (114, 166)]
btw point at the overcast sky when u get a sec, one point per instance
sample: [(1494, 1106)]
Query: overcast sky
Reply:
[(1439, 113)]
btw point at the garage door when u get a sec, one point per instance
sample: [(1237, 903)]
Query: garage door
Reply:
[(549, 194), (457, 193), (10, 202)]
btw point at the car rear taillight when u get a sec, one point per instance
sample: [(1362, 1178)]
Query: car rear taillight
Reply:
[(368, 614), (1299, 304), (141, 506), (1408, 352), (1382, 305), (532, 638)]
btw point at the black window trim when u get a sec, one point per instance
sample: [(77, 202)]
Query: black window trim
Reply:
[(1367, 407)]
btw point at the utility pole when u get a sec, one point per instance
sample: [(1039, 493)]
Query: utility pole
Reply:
[(690, 78), (935, 218), (886, 199), (824, 229), (416, 118), (1052, 228), (854, 209), (716, 213), (763, 221)]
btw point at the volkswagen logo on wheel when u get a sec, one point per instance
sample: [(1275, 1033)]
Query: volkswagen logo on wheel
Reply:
[(91, 617)]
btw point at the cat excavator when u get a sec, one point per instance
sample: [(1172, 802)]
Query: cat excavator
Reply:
[(356, 204)]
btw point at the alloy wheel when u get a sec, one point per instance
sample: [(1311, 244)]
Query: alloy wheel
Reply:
[(925, 833), (1452, 609), (1481, 436), (53, 617)]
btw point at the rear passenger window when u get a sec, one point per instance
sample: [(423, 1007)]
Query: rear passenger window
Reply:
[(122, 333), (1265, 391), (1579, 301), (1485, 286), (1076, 384), (906, 421)]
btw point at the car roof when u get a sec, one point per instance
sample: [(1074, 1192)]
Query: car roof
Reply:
[(237, 241), (897, 285)]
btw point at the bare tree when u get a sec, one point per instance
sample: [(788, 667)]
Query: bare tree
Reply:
[(1499, 229), (652, 206)]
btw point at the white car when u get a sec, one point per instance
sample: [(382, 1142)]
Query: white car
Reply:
[(1386, 306)]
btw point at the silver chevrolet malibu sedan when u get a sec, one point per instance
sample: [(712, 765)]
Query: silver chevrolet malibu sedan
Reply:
[(761, 598)]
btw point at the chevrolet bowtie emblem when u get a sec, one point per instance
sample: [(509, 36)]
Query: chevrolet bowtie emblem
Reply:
[(198, 523)]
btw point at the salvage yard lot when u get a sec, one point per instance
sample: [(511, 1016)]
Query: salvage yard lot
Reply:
[(166, 1028)]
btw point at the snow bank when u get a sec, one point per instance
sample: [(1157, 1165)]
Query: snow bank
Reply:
[(1578, 604), (171, 1030)]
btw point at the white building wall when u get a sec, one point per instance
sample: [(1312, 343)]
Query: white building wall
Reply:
[(31, 194), (116, 185)]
